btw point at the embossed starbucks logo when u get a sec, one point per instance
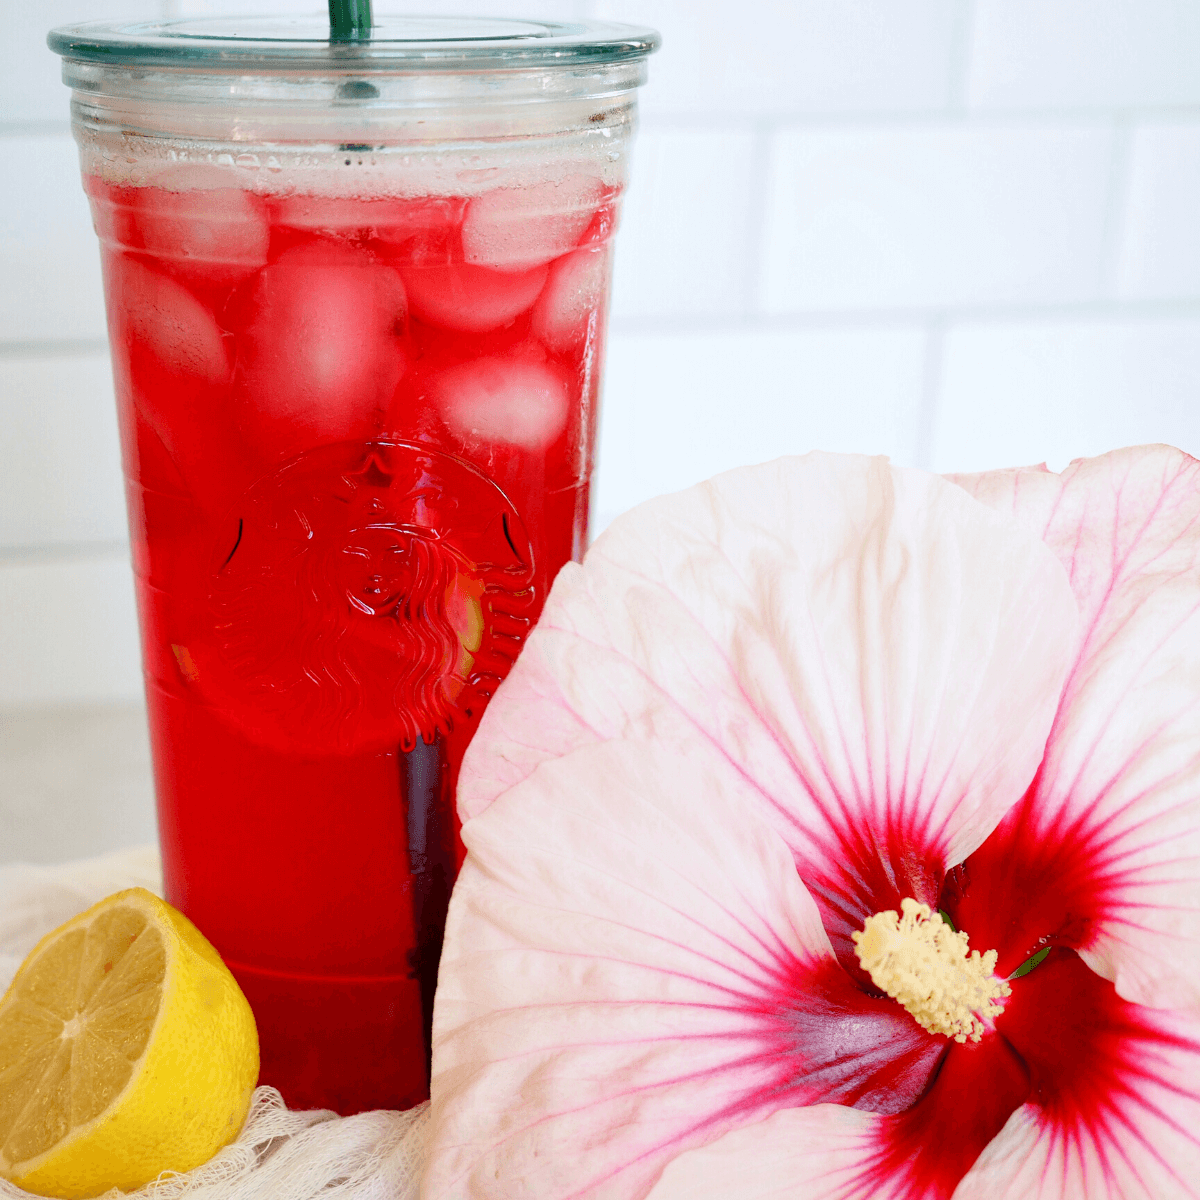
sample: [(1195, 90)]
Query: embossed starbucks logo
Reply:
[(365, 596)]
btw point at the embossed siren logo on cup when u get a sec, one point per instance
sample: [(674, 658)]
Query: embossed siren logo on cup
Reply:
[(316, 584)]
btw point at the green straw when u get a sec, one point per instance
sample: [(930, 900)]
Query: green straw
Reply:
[(349, 20)]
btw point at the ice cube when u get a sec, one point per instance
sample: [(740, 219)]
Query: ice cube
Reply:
[(604, 222), (334, 216), (170, 358), (515, 228), (503, 400), (424, 227), (391, 223), (206, 235), (574, 291), (147, 461), (472, 299), (112, 212), (323, 349), (158, 317)]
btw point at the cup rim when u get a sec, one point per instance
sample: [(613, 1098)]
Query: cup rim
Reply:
[(397, 44)]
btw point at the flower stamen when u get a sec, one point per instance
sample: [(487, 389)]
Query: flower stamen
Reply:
[(925, 966)]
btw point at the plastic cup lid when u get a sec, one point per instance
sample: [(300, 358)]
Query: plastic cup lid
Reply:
[(397, 43)]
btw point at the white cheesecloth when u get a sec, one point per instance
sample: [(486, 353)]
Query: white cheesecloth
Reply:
[(279, 1155)]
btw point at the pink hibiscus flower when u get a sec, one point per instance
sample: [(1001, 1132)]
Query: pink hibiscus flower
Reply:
[(763, 715)]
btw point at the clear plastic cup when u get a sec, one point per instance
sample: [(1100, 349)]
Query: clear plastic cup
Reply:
[(356, 298)]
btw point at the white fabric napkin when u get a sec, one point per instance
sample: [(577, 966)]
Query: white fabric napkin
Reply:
[(280, 1155)]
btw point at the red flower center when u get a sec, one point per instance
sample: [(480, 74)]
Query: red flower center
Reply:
[(1065, 1043)]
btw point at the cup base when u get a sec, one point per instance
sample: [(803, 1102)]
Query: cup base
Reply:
[(350, 1044)]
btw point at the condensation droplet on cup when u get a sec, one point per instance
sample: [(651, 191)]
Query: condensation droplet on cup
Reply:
[(248, 161)]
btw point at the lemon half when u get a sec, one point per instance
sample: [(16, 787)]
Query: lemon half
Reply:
[(126, 1049)]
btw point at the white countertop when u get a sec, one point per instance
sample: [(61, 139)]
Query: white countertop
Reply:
[(74, 782)]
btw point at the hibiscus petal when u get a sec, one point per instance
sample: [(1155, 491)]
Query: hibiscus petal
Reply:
[(1104, 853), (833, 1154), (632, 968), (1115, 1099), (816, 1153), (877, 655)]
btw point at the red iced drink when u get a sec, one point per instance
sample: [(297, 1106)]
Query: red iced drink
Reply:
[(356, 275), (357, 434)]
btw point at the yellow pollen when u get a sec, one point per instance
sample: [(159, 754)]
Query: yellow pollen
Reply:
[(925, 966)]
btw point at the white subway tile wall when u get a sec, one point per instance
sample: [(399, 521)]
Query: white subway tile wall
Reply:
[(804, 389), (688, 231), (49, 260), (959, 232), (1160, 237), (1049, 391), (59, 457), (938, 217), (31, 74), (775, 58), (1094, 54)]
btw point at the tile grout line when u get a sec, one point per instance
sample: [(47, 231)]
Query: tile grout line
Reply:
[(61, 553), (58, 348), (43, 128), (1103, 310)]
